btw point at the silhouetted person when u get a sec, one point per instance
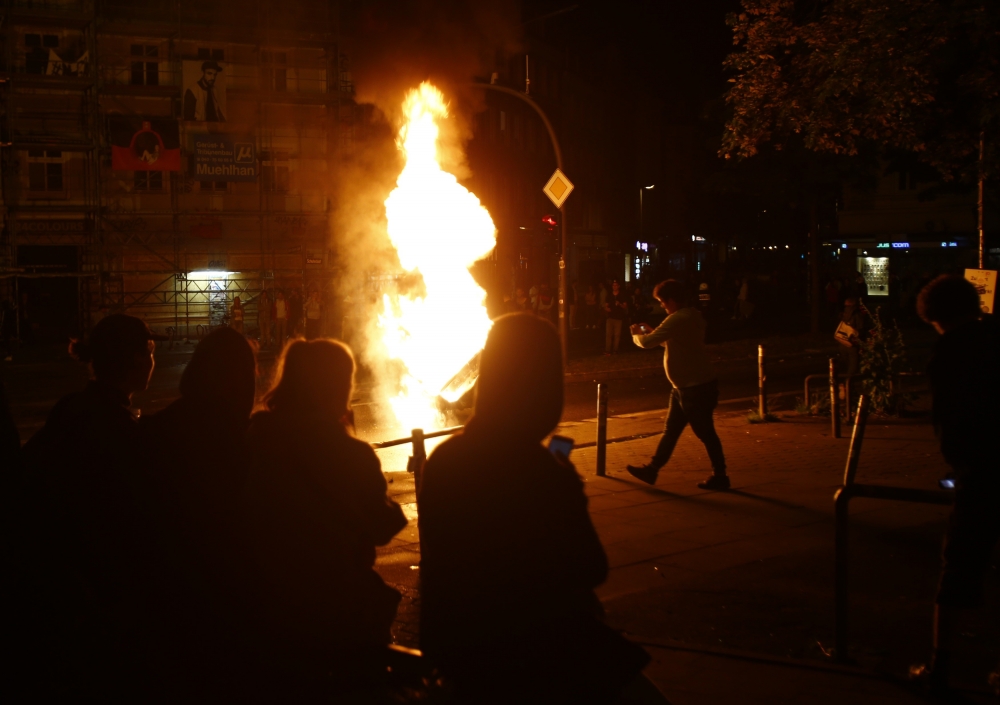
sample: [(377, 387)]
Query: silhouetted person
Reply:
[(854, 316), (92, 550), (199, 471), (264, 318), (616, 307), (315, 508), (509, 557), (964, 373), (236, 314), (10, 439), (695, 391)]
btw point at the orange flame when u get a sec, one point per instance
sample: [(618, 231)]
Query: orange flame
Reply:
[(439, 229)]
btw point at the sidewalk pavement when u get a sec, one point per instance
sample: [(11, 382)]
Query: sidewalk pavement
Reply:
[(732, 592)]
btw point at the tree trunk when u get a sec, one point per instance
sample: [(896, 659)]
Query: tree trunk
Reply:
[(814, 289)]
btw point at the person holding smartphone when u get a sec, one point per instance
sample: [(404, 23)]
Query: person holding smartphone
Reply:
[(964, 373), (695, 391), (509, 556)]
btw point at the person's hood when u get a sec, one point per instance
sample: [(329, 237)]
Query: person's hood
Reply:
[(520, 387)]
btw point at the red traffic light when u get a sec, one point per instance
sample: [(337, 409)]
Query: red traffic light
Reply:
[(549, 221)]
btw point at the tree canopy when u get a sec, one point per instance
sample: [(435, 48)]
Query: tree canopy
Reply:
[(840, 76)]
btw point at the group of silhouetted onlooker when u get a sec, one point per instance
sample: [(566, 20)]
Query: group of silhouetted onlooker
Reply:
[(207, 553)]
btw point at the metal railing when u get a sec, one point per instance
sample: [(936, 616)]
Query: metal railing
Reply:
[(846, 379), (842, 500), (415, 464)]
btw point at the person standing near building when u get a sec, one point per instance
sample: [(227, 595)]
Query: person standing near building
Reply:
[(572, 298), (964, 373), (236, 315), (616, 308), (264, 318), (695, 391), (590, 308), (294, 313), (281, 317), (314, 315)]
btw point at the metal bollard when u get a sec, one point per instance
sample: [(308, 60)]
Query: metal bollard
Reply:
[(761, 384), (834, 400), (416, 462), (602, 429)]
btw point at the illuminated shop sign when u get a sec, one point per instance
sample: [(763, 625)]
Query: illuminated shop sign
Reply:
[(900, 245), (883, 245), (949, 244)]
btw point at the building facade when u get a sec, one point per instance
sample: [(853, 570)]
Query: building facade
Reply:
[(160, 158)]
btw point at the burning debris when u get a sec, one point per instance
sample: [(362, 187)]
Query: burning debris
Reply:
[(439, 230)]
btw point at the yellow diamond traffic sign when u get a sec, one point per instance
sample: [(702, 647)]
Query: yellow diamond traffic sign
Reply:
[(558, 189)]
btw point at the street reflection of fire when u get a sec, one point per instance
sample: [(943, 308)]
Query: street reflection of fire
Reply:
[(439, 230)]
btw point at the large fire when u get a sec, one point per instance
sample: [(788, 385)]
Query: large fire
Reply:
[(439, 230)]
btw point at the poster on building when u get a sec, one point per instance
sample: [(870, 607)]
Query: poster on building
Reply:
[(985, 281), (224, 158), (204, 91), (144, 143)]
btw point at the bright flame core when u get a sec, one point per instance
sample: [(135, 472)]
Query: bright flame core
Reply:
[(439, 230)]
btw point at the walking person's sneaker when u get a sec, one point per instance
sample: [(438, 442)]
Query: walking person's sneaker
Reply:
[(646, 473), (715, 482)]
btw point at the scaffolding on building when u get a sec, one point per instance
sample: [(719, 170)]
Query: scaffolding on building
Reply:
[(173, 249)]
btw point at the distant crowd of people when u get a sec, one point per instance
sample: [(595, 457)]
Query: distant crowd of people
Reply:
[(280, 318), (223, 549), (605, 306)]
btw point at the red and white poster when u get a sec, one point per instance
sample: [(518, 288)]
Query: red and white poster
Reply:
[(144, 143)]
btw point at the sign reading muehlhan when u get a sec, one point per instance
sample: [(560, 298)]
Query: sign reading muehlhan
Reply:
[(224, 158)]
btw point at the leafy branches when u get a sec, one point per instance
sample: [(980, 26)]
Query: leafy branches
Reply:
[(917, 75), (883, 357)]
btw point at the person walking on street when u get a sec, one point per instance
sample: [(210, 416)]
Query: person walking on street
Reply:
[(236, 315), (964, 374), (314, 315), (264, 318), (281, 318), (695, 391), (616, 307)]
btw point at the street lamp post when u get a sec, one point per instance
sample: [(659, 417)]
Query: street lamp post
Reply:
[(563, 312), (641, 189)]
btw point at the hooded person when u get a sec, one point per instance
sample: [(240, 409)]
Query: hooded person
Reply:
[(198, 486), (314, 509), (509, 556), (92, 549)]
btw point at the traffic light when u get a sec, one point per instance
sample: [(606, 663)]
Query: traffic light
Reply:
[(549, 221)]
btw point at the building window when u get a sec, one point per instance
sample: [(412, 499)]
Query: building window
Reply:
[(37, 48), (211, 54), (145, 65), (148, 181), (276, 69), (274, 171), (45, 170), (214, 185)]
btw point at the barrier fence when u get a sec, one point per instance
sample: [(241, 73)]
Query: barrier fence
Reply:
[(842, 499)]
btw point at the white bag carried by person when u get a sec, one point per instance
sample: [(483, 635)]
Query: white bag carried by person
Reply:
[(844, 334)]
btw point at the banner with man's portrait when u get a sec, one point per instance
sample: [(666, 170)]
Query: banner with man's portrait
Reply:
[(144, 143), (204, 84)]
